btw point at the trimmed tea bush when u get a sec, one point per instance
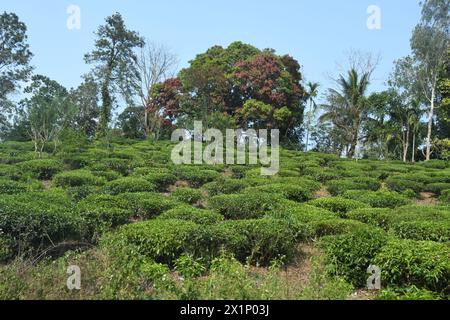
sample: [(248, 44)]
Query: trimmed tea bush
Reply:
[(256, 241), (225, 186), (77, 178), (349, 255), (160, 240), (338, 205), (338, 187), (12, 187), (378, 199), (377, 217), (245, 206), (437, 188), (161, 180), (195, 175), (445, 196), (43, 169), (187, 195), (335, 227), (398, 184), (129, 184), (187, 213), (422, 230), (146, 205), (425, 264)]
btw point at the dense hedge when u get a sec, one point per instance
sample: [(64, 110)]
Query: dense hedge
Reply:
[(422, 230), (350, 254), (77, 178), (43, 169), (145, 205), (195, 175), (187, 195), (377, 199), (424, 264), (338, 187), (188, 213), (245, 206), (338, 205), (129, 184), (12, 187), (225, 186), (377, 217), (161, 180)]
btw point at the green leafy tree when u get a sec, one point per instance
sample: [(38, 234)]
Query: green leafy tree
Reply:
[(48, 111), (312, 90), (15, 57), (116, 64)]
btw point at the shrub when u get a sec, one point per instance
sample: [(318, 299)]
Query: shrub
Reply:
[(146, 205), (409, 293), (122, 166), (445, 196), (256, 241), (338, 205), (77, 178), (12, 187), (225, 186), (43, 169), (350, 254), (424, 264), (397, 184), (187, 195), (6, 251), (335, 227), (377, 217), (9, 172), (108, 175), (187, 213), (79, 193), (378, 199), (338, 187), (160, 240), (437, 188), (245, 206), (33, 219), (161, 180), (103, 212), (195, 175), (127, 185), (300, 190), (422, 230)]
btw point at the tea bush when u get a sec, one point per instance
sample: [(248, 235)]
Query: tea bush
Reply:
[(437, 188), (397, 184), (43, 169), (187, 213), (445, 196), (12, 187), (422, 230), (187, 195), (338, 187), (128, 185), (161, 180), (77, 178), (335, 227), (245, 206), (425, 264), (377, 199), (350, 254), (377, 217), (338, 205), (195, 175), (225, 186), (146, 205)]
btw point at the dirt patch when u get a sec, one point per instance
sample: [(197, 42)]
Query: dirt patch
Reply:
[(47, 184), (363, 295), (322, 193), (427, 199)]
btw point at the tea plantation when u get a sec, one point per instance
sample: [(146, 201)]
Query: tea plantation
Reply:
[(139, 227)]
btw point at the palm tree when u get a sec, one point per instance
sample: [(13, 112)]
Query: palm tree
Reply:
[(312, 92), (347, 106)]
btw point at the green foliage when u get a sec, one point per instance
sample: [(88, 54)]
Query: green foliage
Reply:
[(335, 227), (161, 180), (378, 199), (145, 205), (301, 191), (400, 184), (410, 293), (445, 196), (129, 184), (245, 206), (225, 186), (338, 187), (195, 175), (350, 254), (422, 230), (43, 169), (424, 264), (188, 213), (12, 187), (373, 216), (77, 178), (187, 195), (437, 188), (338, 205)]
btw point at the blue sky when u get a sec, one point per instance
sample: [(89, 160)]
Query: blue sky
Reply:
[(317, 33)]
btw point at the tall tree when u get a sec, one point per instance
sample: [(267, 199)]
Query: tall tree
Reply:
[(86, 99), (15, 57), (48, 111), (116, 64), (347, 107), (155, 65), (429, 42), (312, 90)]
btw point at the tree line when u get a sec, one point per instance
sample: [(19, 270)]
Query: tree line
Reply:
[(239, 86)]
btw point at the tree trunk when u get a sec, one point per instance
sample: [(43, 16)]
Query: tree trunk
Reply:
[(430, 124), (413, 159), (405, 145)]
